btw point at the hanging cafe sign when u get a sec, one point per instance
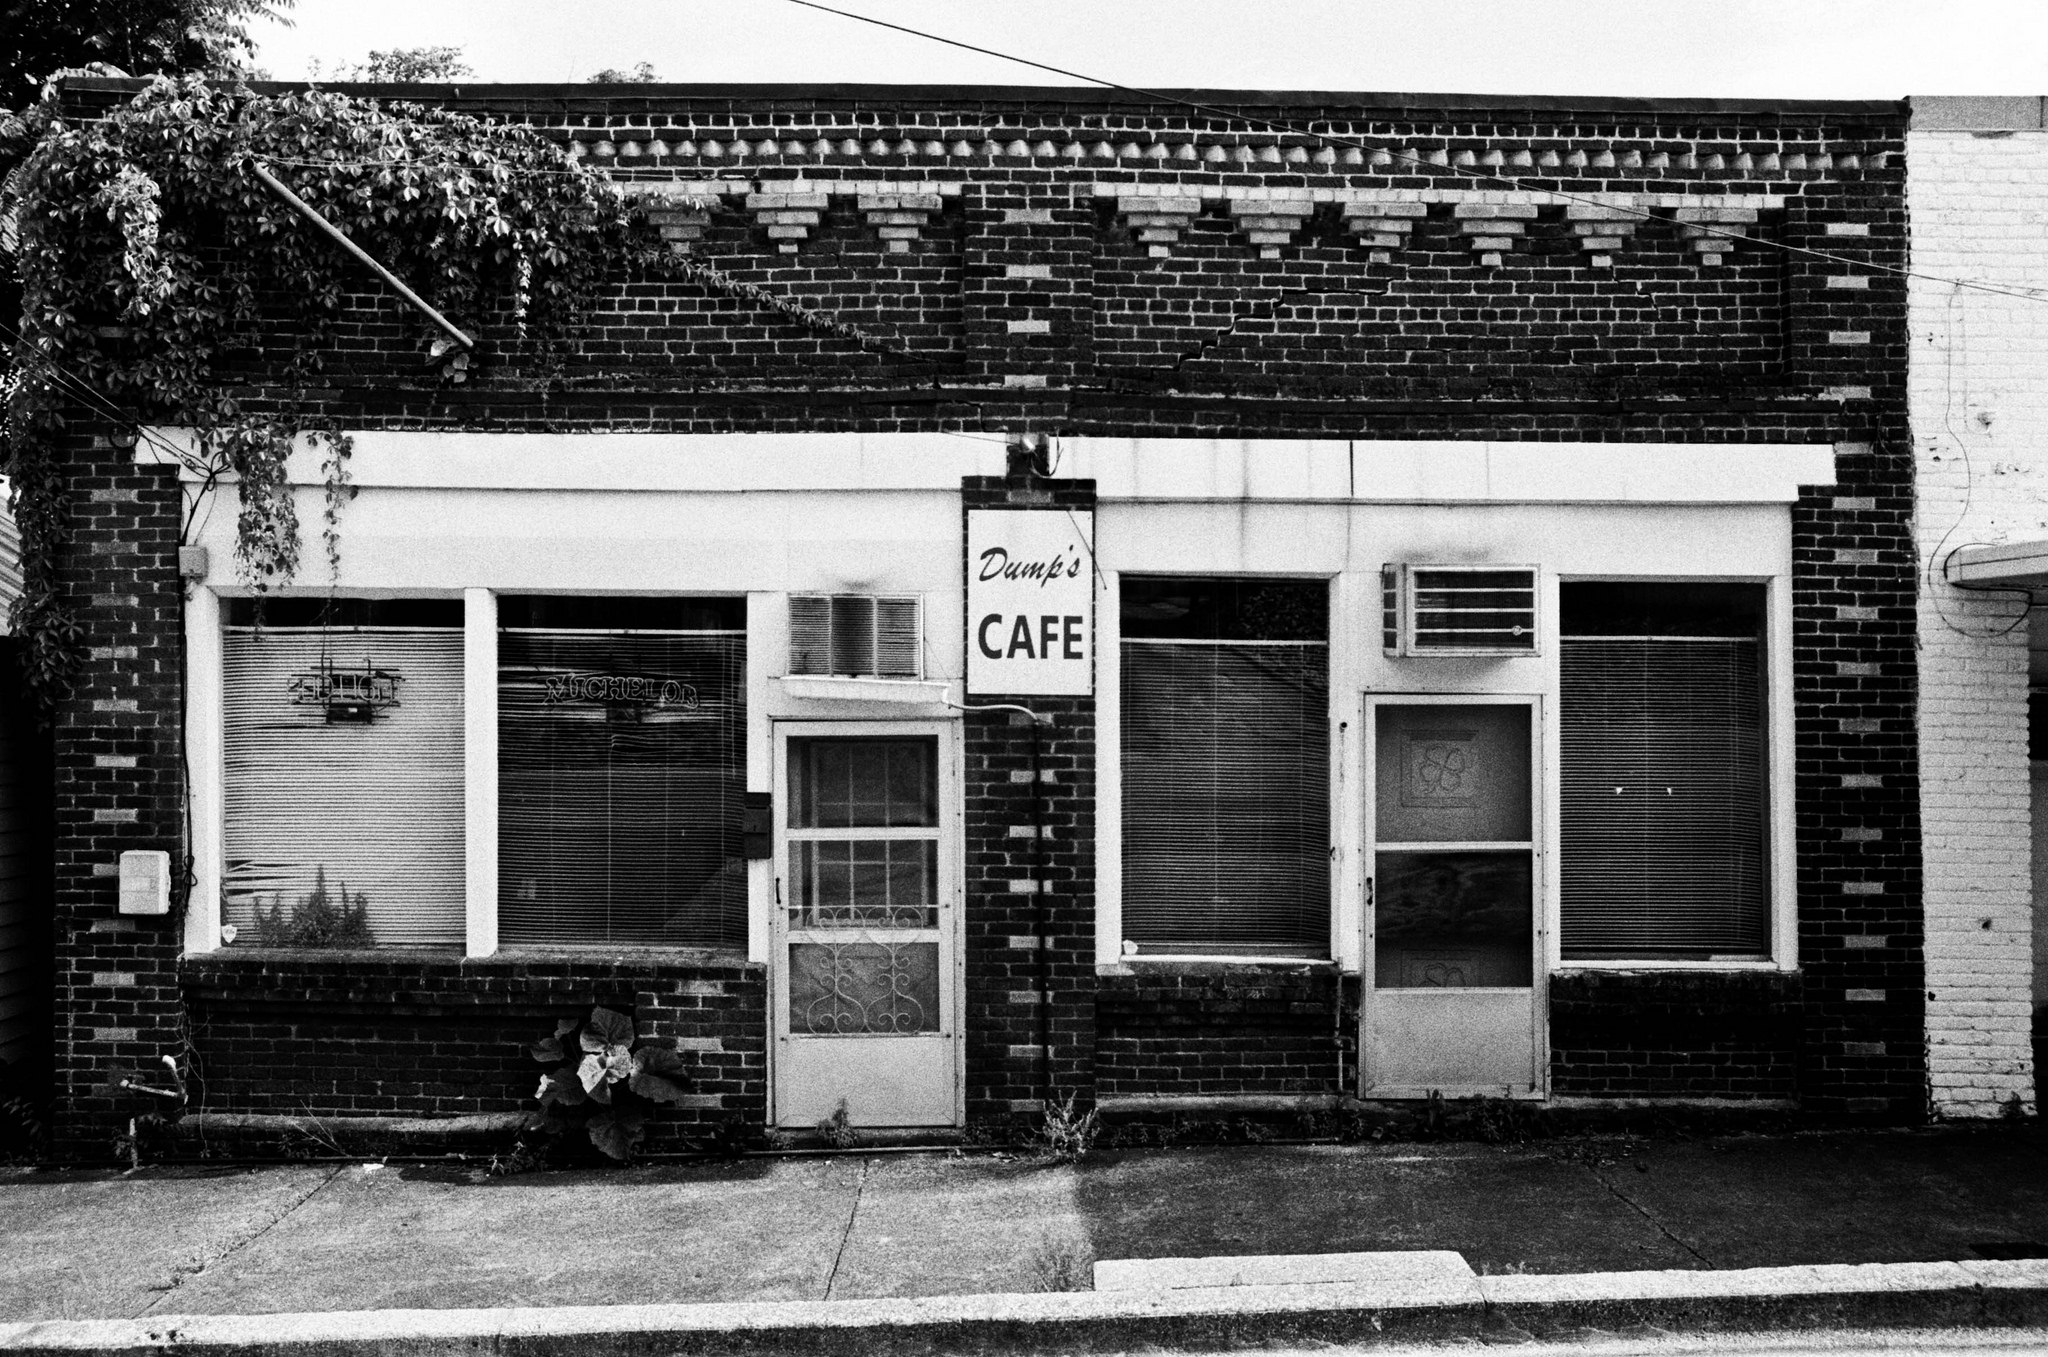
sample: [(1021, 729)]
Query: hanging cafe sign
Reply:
[(620, 690), (1030, 602)]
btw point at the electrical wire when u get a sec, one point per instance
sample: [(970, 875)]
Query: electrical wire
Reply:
[(1939, 558), (80, 387)]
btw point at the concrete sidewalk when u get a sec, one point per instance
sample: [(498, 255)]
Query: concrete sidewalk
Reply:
[(360, 1238)]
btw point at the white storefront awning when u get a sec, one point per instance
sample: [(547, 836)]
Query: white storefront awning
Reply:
[(2010, 565)]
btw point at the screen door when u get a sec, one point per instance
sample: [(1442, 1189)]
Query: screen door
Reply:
[(1453, 926), (866, 991)]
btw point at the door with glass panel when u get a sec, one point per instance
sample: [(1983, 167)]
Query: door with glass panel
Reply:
[(1453, 994), (867, 985)]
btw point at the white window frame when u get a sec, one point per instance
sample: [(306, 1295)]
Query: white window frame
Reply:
[(1342, 946), (205, 734), (1780, 767), (205, 729)]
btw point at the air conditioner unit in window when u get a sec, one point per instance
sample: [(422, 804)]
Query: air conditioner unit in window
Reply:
[(1459, 609), (856, 635)]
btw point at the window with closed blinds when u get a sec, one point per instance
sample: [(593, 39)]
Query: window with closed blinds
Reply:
[(1225, 732), (370, 809), (622, 772), (1663, 854)]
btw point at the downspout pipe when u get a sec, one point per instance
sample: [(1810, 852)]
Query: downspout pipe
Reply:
[(306, 210)]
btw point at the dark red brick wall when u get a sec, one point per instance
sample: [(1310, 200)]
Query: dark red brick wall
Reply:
[(118, 787), (1214, 1029), (1675, 1035), (1212, 340), (1863, 1048), (413, 1035)]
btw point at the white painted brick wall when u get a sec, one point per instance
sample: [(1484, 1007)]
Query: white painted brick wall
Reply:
[(1979, 405)]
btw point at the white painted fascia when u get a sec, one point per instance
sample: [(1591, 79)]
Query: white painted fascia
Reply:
[(1358, 471), (1383, 471)]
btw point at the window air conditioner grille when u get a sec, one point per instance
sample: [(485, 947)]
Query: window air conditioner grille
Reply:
[(1459, 610), (856, 635)]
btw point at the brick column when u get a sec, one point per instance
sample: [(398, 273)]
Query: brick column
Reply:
[(1030, 920), (115, 1002), (1860, 927)]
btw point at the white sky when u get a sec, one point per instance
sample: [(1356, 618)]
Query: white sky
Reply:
[(1821, 49)]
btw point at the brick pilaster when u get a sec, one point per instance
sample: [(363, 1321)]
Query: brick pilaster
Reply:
[(118, 787), (1030, 925)]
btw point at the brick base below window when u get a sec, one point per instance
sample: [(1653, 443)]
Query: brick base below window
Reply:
[(360, 1035), (1662, 1035), (1224, 1030)]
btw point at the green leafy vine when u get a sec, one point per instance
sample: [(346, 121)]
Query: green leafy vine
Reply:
[(160, 280)]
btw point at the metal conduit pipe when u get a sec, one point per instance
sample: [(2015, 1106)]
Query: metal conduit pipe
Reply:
[(306, 210)]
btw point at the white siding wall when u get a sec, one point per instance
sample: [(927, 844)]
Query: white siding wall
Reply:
[(1979, 406)]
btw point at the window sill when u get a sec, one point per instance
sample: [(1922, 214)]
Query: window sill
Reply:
[(229, 951), (602, 952), (1192, 963), (454, 958), (1630, 967)]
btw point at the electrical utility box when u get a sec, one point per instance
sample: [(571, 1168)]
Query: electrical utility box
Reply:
[(146, 881)]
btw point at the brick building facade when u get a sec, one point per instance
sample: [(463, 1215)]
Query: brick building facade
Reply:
[(1411, 456)]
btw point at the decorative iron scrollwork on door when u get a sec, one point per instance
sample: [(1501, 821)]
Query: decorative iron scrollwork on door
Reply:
[(863, 988)]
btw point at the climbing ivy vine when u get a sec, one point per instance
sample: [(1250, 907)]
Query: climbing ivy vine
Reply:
[(161, 280)]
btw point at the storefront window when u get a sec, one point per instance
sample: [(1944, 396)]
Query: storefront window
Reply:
[(1226, 804), (1661, 704), (622, 771), (342, 746)]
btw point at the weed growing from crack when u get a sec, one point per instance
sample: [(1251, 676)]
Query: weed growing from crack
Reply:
[(1061, 1263)]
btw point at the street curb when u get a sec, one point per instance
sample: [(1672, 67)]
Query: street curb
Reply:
[(1871, 1295)]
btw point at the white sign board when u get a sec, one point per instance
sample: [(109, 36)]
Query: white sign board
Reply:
[(1030, 602)]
